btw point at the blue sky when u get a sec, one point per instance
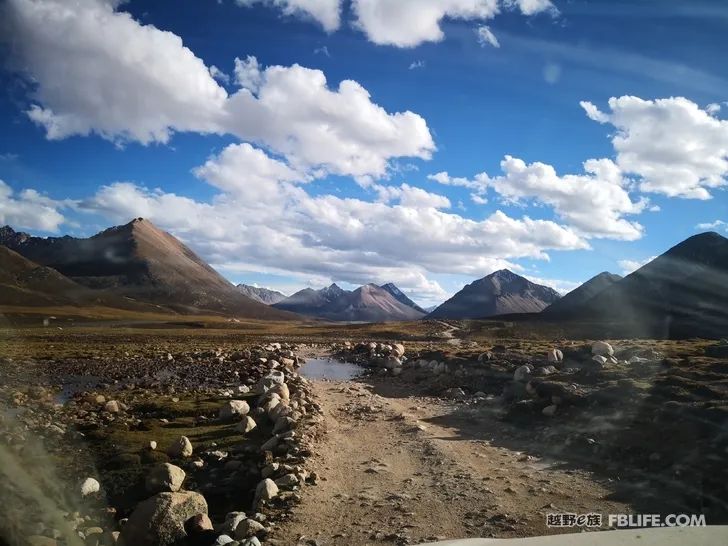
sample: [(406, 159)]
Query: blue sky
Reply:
[(282, 179)]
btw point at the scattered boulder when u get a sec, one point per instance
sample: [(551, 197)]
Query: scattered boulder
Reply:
[(248, 528), (112, 406), (555, 355), (246, 425), (398, 350), (266, 490), (523, 373), (89, 486), (181, 449), (159, 520), (602, 348), (165, 477), (234, 409), (549, 411)]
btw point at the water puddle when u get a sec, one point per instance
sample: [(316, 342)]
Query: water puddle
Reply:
[(324, 367)]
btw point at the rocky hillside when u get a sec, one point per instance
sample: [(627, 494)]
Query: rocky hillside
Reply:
[(140, 261), (500, 293), (571, 302), (262, 295)]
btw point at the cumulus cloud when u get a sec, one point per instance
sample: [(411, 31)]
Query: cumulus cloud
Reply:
[(292, 111), (29, 209), (630, 266), (348, 239), (248, 173), (325, 12), (409, 23), (672, 145), (97, 70), (593, 203)]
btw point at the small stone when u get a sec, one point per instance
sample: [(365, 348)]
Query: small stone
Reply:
[(549, 411)]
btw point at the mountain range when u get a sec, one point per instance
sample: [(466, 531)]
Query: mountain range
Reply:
[(368, 303), (139, 267)]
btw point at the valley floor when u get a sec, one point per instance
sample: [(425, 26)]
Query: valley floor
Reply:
[(398, 469)]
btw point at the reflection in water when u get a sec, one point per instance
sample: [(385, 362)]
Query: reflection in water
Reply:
[(329, 368)]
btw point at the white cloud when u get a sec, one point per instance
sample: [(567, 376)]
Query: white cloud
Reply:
[(409, 23), (247, 73), (29, 209), (532, 7), (219, 75), (629, 266), (248, 173), (486, 36), (676, 148), (346, 239), (417, 64), (99, 70), (593, 203), (718, 224), (293, 112), (326, 12), (713, 108)]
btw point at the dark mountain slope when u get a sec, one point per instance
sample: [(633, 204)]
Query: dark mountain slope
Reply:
[(500, 293)]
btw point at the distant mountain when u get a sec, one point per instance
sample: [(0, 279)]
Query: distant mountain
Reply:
[(431, 308), (368, 303), (142, 262), (576, 298), (400, 296), (311, 302), (262, 295), (681, 293), (500, 293)]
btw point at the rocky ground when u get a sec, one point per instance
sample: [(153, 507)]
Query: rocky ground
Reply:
[(194, 438)]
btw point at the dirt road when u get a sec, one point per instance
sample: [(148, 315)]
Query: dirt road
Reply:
[(398, 469)]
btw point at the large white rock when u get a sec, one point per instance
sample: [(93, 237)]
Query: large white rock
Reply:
[(165, 477), (602, 348), (182, 448), (234, 409), (398, 350), (89, 486)]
